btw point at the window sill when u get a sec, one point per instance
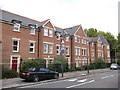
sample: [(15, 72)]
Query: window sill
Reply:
[(50, 36), (50, 53), (17, 31), (15, 51), (31, 52), (32, 34)]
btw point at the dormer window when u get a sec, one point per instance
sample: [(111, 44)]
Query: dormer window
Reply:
[(67, 38), (17, 27), (32, 30), (58, 36)]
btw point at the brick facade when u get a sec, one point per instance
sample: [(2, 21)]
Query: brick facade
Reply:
[(80, 48)]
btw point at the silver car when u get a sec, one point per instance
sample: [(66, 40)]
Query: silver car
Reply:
[(114, 66)]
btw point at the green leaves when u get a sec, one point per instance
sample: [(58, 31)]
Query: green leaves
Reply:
[(56, 65), (33, 63)]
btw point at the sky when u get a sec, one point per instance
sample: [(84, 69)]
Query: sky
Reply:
[(99, 14)]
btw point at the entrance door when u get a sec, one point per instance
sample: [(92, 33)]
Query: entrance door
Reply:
[(14, 65)]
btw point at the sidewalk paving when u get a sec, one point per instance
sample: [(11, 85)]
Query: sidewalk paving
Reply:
[(17, 82)]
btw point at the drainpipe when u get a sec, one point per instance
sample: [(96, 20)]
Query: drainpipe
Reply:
[(38, 29), (71, 50), (38, 44)]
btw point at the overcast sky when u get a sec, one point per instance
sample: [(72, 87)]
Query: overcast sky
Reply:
[(99, 14)]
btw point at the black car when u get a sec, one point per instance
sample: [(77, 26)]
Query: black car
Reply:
[(35, 74)]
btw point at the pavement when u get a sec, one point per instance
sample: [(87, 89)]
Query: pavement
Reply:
[(17, 82)]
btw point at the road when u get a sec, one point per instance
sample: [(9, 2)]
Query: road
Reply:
[(103, 80)]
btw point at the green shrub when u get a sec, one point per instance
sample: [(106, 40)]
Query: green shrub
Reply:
[(8, 73), (98, 64), (59, 63), (72, 69), (33, 63)]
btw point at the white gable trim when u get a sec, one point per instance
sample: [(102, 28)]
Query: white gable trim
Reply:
[(50, 22), (77, 30), (82, 30)]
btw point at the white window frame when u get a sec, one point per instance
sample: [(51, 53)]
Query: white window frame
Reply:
[(50, 48), (58, 35), (16, 39), (58, 50), (108, 54), (33, 30), (45, 48), (47, 61), (92, 44), (77, 63), (16, 25), (85, 42), (77, 51), (50, 33), (68, 50), (78, 39), (75, 39), (108, 47), (82, 41), (67, 38), (92, 53), (99, 53), (83, 62), (84, 53), (32, 46), (46, 31)]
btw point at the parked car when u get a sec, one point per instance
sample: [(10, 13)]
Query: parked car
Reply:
[(114, 66), (36, 73)]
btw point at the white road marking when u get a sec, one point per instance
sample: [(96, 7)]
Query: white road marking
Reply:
[(80, 84), (83, 74), (72, 79), (82, 80), (107, 76)]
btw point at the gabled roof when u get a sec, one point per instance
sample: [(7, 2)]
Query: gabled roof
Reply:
[(94, 40), (71, 31), (104, 41), (8, 16), (61, 31)]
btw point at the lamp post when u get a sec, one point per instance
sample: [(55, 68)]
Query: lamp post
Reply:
[(62, 49)]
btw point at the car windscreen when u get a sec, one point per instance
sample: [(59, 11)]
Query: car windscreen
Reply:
[(31, 69), (114, 65)]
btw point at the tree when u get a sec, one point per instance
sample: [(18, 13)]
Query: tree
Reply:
[(33, 63), (91, 32), (118, 49), (56, 65)]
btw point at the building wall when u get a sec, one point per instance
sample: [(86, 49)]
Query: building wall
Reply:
[(7, 45), (24, 37)]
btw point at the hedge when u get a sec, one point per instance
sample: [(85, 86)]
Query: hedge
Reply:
[(33, 63), (8, 73)]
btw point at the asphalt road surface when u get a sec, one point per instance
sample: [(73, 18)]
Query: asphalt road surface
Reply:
[(103, 80)]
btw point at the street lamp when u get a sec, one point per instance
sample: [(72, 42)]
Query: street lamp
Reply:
[(62, 48)]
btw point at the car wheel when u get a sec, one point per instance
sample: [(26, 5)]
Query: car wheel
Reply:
[(35, 78), (56, 76)]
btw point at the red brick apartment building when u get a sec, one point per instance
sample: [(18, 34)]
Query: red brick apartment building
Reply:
[(24, 38)]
